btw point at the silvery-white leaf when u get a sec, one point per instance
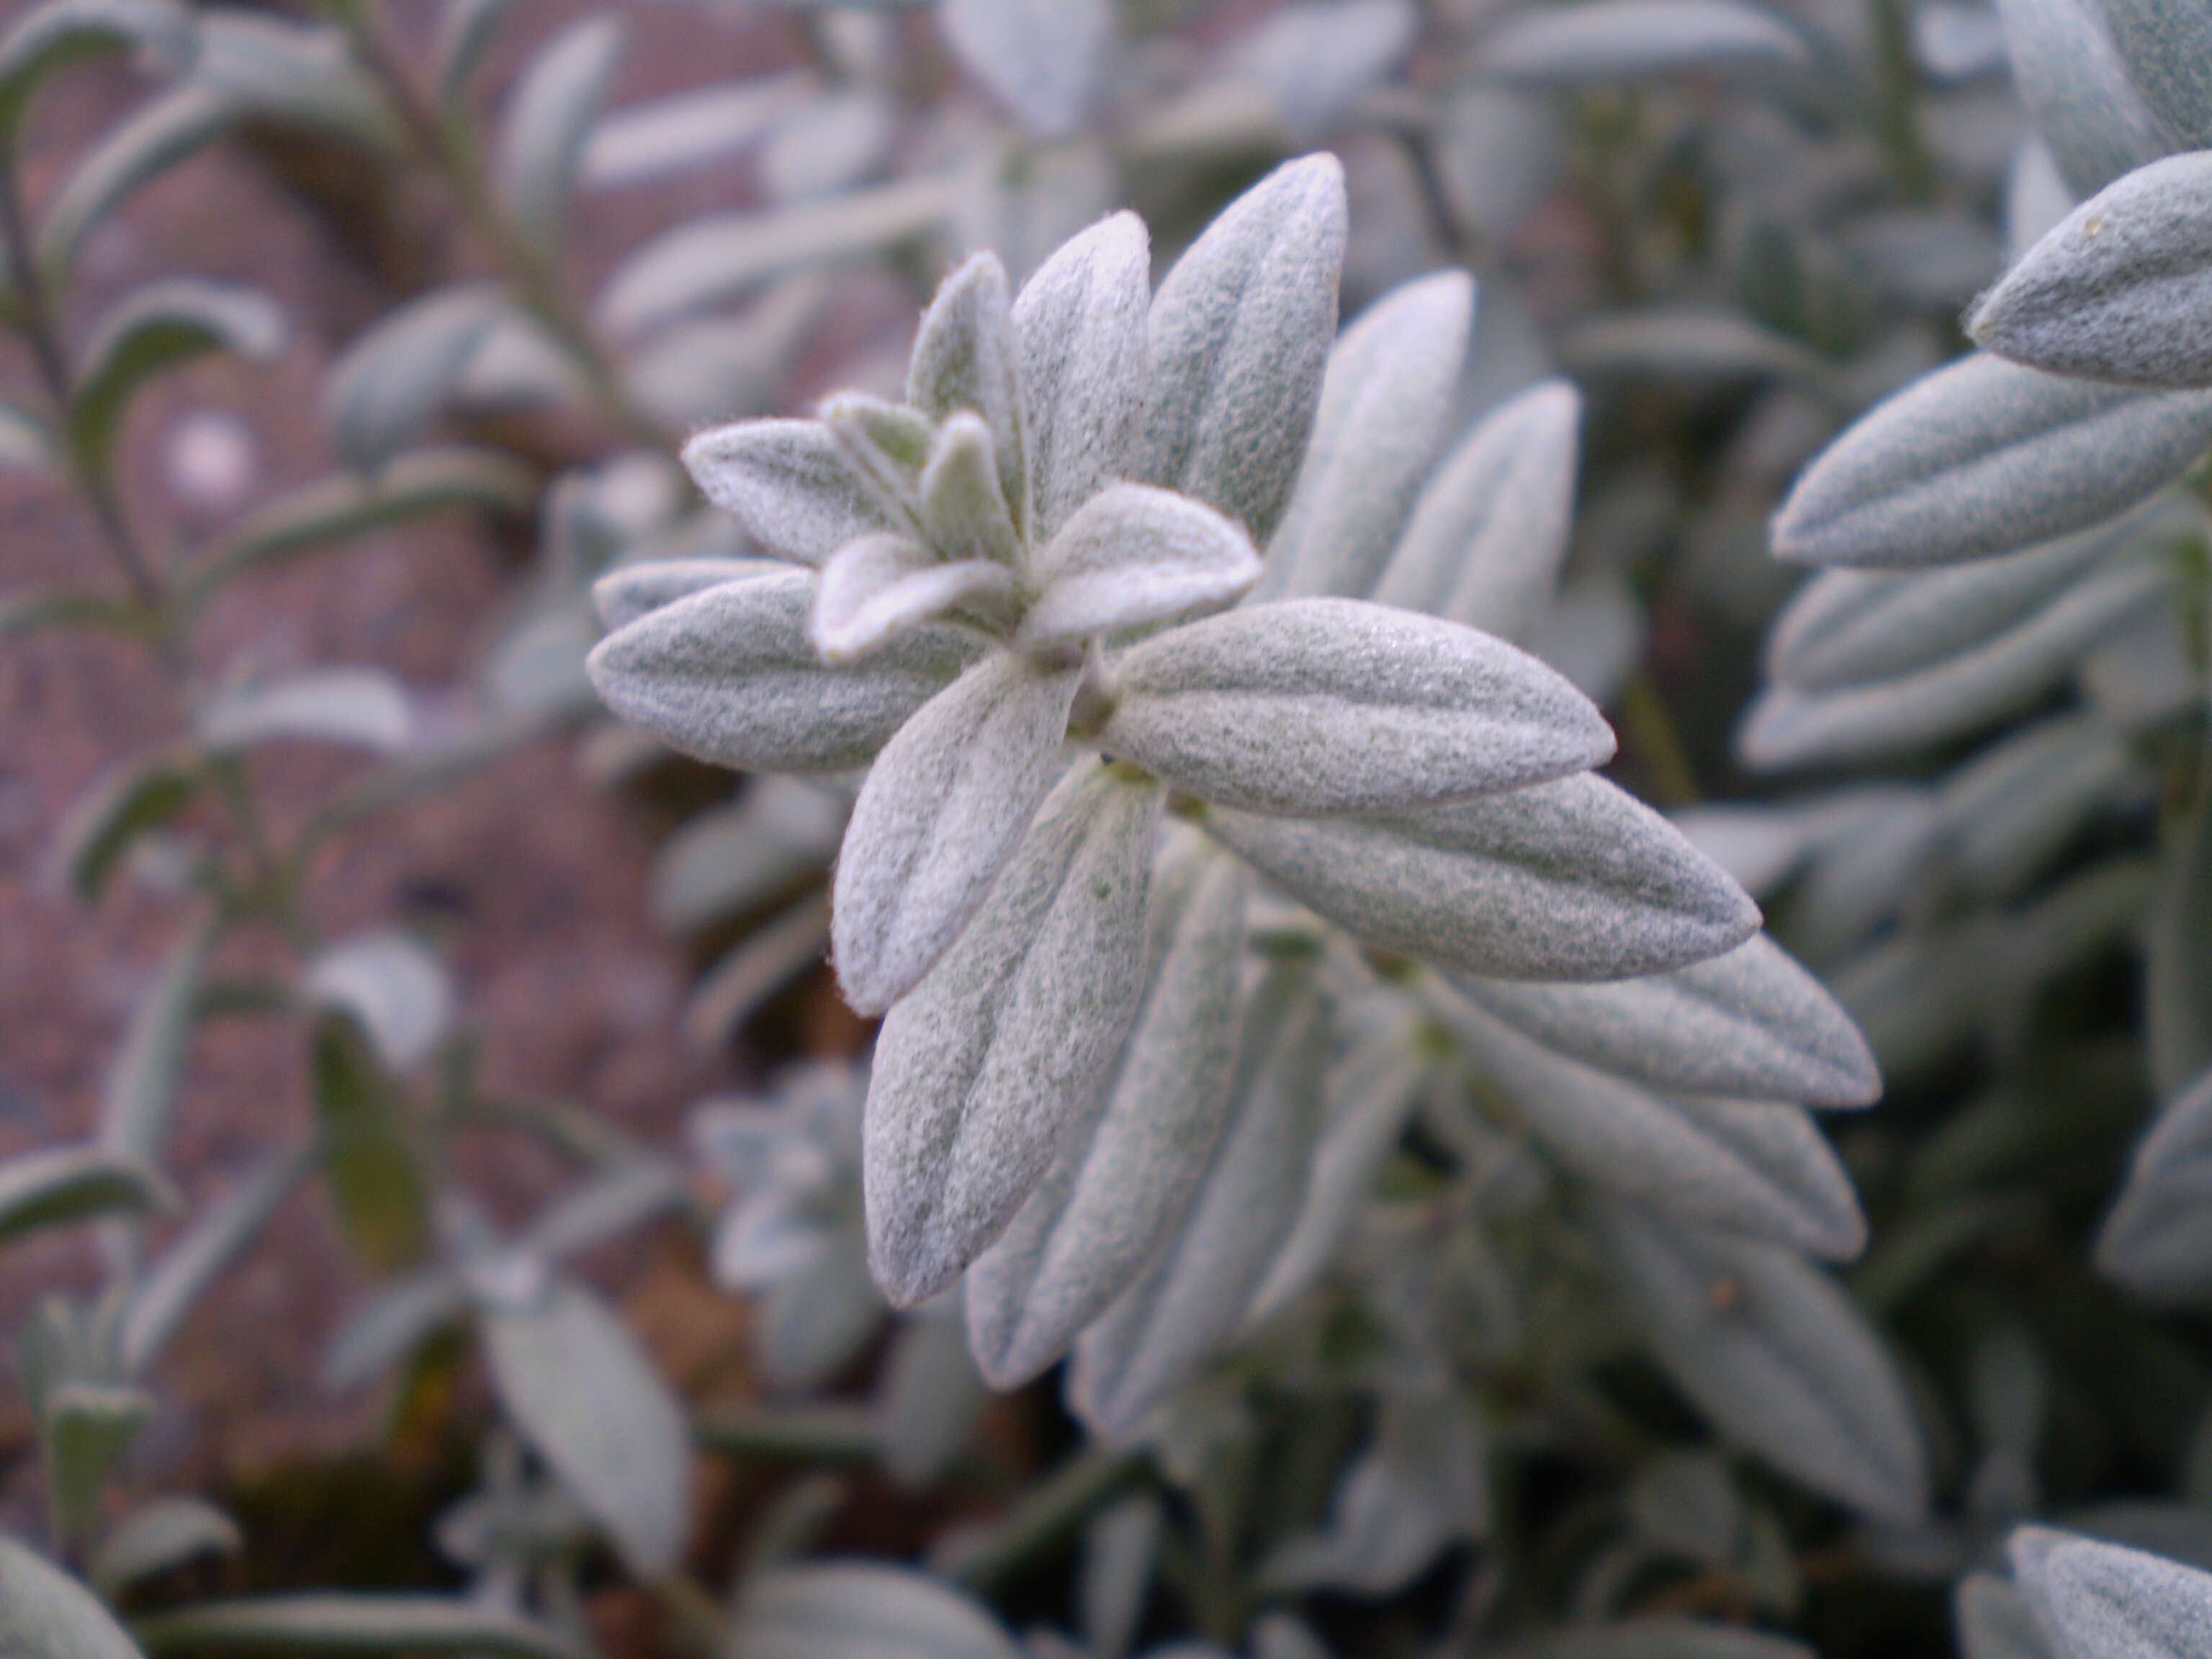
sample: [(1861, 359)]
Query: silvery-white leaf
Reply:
[(1994, 1620), (1194, 1297), (588, 1400), (827, 143), (2120, 290), (1026, 210), (1500, 150), (1370, 1093), (886, 444), (716, 257), (1986, 457), (1958, 41), (2037, 195), (549, 118), (1864, 868), (879, 588), (1130, 556), (787, 482), (358, 707), (1760, 846), (157, 1537), (966, 356), (623, 595), (1575, 879), (393, 986), (944, 806), (981, 1067), (1080, 322), (1316, 58), (687, 129), (1750, 1023), (1787, 728), (1757, 1169), (1384, 404), (2098, 1600), (1324, 705), (2070, 77), (1608, 41), (46, 1614), (2007, 814), (2155, 1240), (50, 1186), (963, 508), (1120, 1546), (140, 1088), (2167, 45), (1041, 58), (729, 675), (1486, 538), (1125, 1175), (1775, 1355), (1593, 633), (813, 1325), (1853, 626), (1239, 339), (860, 1610), (929, 1402), (155, 328), (380, 394)]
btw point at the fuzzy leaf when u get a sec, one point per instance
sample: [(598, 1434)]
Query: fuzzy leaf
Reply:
[(729, 675), (1775, 1356), (46, 1614), (1788, 728), (2120, 290), (1574, 879), (856, 1610), (1314, 707), (1130, 556), (1125, 1176), (1080, 324), (2155, 1240), (549, 118), (1754, 1168), (2167, 47), (53, 1185), (981, 1068), (788, 483), (878, 589), (1041, 57), (1239, 340), (392, 381), (2101, 1602), (945, 805), (966, 356), (1751, 1022), (1384, 404), (1986, 457), (162, 326), (962, 508), (1609, 40), (2069, 74), (623, 595), (1194, 1297), (1488, 534), (587, 1398)]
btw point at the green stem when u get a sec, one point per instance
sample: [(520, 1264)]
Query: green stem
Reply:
[(1896, 109), (1046, 1514), (810, 1434), (1650, 737)]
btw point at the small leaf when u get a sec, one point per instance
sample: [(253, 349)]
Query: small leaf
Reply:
[(1124, 1176), (167, 1292), (57, 1184), (1787, 728), (966, 356), (1986, 457), (549, 116), (159, 326), (136, 798), (2153, 1242), (389, 985), (1131, 555), (2069, 74), (362, 706), (1775, 1356), (945, 807), (1317, 58), (685, 130), (394, 1322), (153, 139), (2167, 47), (1194, 1297), (1384, 404), (788, 483), (84, 1429), (963, 508), (2120, 290), (857, 1610), (624, 594), (980, 1069), (728, 675), (2100, 1601), (1758, 1169), (1239, 335), (159, 1537), (46, 1614), (1490, 530), (1750, 1023), (1609, 40), (1314, 707), (1041, 57), (142, 1081), (1568, 880), (389, 383), (334, 1623), (1080, 324), (929, 1402), (878, 589), (589, 1401), (49, 37)]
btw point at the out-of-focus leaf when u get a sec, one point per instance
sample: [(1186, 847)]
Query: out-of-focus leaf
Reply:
[(150, 141), (1041, 58), (2071, 79), (392, 987), (159, 326), (371, 1624), (389, 384), (142, 1080), (364, 707), (159, 1536), (57, 1184), (856, 1610), (134, 799), (549, 118), (46, 38), (46, 1614), (1608, 40), (158, 1302), (370, 1161)]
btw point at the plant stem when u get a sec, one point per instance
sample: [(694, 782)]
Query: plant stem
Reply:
[(1047, 1514), (1896, 113), (1657, 746)]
